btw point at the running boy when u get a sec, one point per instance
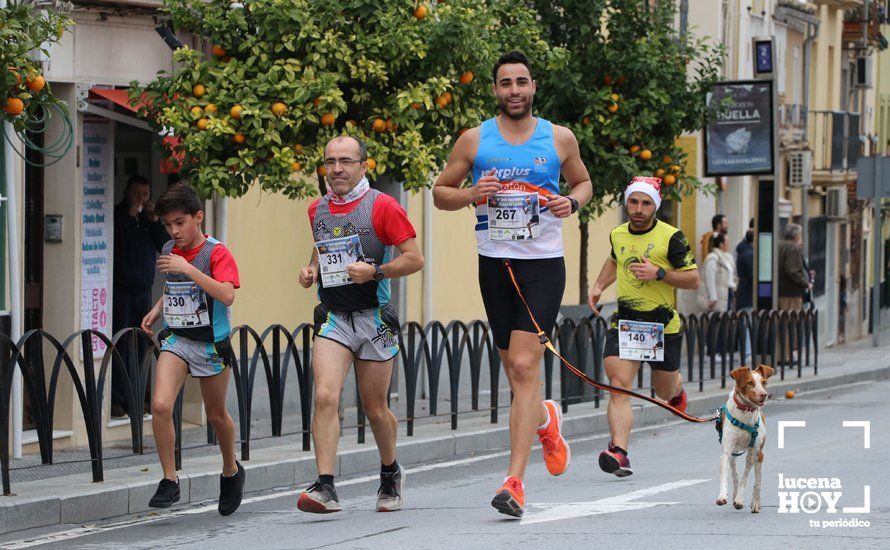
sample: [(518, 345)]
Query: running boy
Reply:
[(201, 281)]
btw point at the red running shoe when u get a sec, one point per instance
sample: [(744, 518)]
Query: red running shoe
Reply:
[(613, 461), (679, 402), (510, 498)]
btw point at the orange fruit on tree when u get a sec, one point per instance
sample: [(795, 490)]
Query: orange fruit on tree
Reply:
[(420, 12), (675, 169), (210, 108), (239, 138), (613, 108), (448, 97), (670, 179), (298, 148), (615, 97), (379, 125), (279, 108), (466, 77), (328, 119), (202, 123), (372, 164), (235, 112), (14, 106), (645, 154), (667, 159), (218, 50), (659, 173), (295, 166), (322, 171), (36, 84), (390, 125), (351, 123), (634, 149), (316, 101), (196, 112), (199, 90), (415, 105), (585, 121), (442, 101)]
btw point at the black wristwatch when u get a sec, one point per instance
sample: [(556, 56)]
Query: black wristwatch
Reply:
[(574, 203), (378, 274), (659, 275)]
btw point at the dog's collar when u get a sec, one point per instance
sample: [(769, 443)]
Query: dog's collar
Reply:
[(742, 405)]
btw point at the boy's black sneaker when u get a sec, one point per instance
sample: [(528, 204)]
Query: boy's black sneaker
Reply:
[(230, 490), (166, 495)]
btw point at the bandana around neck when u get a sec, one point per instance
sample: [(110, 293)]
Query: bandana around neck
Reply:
[(357, 192)]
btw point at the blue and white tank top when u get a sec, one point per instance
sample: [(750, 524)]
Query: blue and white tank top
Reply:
[(531, 167)]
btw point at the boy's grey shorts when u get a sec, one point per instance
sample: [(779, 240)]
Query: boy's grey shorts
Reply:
[(203, 358), (371, 334)]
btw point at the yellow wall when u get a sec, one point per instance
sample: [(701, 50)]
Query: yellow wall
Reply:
[(270, 239)]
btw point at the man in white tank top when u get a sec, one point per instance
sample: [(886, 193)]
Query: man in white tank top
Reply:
[(516, 159)]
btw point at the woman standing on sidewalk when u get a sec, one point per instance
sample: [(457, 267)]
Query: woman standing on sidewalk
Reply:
[(719, 276)]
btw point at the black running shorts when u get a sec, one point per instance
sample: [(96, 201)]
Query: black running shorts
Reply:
[(673, 349), (542, 283)]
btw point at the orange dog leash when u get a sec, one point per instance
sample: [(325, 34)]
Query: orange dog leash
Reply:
[(545, 340)]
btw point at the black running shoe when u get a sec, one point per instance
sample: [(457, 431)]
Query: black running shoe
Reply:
[(230, 491), (319, 498), (389, 495), (166, 495)]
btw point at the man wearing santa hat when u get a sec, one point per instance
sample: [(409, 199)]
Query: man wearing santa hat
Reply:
[(649, 259)]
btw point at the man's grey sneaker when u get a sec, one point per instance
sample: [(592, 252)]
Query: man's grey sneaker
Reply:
[(166, 495), (389, 496), (230, 490), (319, 498)]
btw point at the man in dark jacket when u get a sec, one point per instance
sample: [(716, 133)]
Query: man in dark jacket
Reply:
[(138, 237), (744, 296), (793, 277)]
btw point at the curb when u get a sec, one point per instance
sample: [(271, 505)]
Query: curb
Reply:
[(127, 490)]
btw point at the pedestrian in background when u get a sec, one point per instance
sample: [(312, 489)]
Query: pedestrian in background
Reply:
[(793, 277), (718, 276), (138, 238), (719, 225)]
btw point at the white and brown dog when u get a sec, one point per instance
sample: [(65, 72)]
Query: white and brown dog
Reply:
[(743, 431)]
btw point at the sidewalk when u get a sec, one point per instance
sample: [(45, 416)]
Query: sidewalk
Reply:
[(280, 462)]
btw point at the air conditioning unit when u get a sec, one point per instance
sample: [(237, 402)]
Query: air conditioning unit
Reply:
[(836, 203), (863, 72), (800, 169)]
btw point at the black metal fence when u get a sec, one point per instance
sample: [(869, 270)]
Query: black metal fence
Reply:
[(714, 344)]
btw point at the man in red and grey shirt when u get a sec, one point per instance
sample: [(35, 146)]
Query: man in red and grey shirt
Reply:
[(355, 229)]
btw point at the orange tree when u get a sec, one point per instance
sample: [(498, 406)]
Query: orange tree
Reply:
[(632, 86), (284, 76), (24, 92)]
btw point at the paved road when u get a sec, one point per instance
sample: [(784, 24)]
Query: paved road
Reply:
[(667, 503)]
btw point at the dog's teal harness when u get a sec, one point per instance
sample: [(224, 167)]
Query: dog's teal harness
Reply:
[(738, 424)]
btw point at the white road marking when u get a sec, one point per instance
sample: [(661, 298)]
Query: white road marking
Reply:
[(540, 513)]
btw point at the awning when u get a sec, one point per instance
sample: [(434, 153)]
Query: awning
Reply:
[(172, 160), (118, 97)]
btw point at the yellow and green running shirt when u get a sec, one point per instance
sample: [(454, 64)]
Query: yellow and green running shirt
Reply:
[(651, 301)]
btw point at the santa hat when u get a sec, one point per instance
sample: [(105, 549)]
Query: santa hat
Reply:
[(651, 186)]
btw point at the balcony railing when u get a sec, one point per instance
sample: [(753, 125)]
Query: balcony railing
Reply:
[(792, 123), (834, 139)]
